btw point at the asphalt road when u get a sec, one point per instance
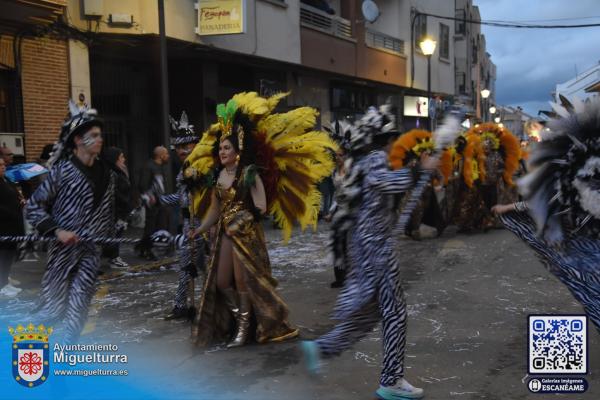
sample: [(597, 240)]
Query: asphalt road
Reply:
[(468, 298)]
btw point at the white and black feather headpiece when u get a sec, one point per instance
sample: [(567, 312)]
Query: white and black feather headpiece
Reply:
[(80, 119), (182, 131), (563, 188)]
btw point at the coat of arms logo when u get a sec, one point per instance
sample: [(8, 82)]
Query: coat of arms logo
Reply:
[(30, 359)]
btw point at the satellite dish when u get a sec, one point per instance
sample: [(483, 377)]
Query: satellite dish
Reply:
[(370, 11)]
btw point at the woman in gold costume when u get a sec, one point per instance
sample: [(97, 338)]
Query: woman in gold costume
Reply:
[(252, 163)]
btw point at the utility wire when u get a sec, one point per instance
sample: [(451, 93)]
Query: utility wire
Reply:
[(510, 24)]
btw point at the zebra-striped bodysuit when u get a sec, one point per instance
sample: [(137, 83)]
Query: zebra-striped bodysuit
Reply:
[(576, 263), (372, 290), (188, 259), (65, 200)]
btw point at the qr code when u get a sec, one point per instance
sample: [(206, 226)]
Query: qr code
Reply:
[(557, 344)]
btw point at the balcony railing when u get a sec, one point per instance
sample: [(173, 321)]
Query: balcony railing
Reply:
[(384, 42), (314, 18)]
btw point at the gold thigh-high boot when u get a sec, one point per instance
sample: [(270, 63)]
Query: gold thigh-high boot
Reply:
[(242, 321)]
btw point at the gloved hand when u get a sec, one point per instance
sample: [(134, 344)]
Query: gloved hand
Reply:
[(162, 243), (121, 225), (148, 199)]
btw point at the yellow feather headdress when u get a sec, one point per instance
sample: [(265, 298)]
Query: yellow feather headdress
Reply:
[(415, 142), (504, 139)]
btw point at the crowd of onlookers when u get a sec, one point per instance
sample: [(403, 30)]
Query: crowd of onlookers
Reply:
[(151, 178)]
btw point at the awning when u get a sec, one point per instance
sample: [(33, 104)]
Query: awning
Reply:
[(18, 14)]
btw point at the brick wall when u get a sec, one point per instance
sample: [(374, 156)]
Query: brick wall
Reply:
[(45, 88)]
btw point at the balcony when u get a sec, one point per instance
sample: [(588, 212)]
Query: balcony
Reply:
[(313, 18), (381, 41)]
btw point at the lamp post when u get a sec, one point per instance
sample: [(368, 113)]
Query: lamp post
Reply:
[(427, 46), (485, 93)]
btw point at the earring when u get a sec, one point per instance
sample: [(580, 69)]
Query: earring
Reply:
[(237, 158)]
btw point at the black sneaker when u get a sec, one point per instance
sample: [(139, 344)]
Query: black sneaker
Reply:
[(177, 313)]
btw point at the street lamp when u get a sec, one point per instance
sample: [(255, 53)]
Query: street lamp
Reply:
[(492, 110), (485, 93), (497, 120), (427, 46)]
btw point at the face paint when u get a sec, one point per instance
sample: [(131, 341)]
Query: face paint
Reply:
[(91, 138), (184, 150)]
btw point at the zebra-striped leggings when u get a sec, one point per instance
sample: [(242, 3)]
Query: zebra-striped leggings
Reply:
[(68, 286), (184, 260), (390, 307), (575, 264)]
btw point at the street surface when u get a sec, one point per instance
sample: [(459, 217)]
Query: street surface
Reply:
[(468, 300)]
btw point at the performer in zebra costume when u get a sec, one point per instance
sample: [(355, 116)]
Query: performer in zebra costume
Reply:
[(372, 291), (560, 217), (75, 201), (190, 258), (343, 208)]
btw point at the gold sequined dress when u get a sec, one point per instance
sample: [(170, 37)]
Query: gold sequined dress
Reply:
[(213, 323)]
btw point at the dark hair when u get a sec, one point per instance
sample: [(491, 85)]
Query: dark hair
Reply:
[(461, 144), (248, 155), (111, 155)]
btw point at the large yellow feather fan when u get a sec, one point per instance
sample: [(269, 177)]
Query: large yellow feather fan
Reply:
[(291, 158)]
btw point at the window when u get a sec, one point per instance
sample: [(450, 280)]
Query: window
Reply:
[(10, 101), (444, 41), (420, 28), (461, 81), (460, 24)]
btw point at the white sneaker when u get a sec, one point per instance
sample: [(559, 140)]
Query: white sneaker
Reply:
[(118, 262), (401, 390), (9, 291), (13, 282)]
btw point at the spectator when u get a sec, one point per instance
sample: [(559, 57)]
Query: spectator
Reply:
[(45, 156), (11, 224), (123, 205), (152, 182), (7, 155)]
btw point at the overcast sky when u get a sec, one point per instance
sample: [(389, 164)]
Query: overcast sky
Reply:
[(531, 62)]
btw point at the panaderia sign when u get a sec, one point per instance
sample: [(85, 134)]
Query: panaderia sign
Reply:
[(221, 17)]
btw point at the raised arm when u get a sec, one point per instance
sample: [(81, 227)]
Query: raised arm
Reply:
[(391, 182), (171, 199)]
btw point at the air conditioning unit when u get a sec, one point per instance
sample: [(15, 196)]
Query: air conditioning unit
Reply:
[(120, 19), (93, 8), (14, 141)]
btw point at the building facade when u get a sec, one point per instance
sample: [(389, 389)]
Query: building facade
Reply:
[(34, 75), (474, 70), (584, 86), (324, 52)]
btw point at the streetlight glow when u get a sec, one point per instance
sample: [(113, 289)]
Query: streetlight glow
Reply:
[(485, 93), (492, 110), (427, 46), (497, 120)]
